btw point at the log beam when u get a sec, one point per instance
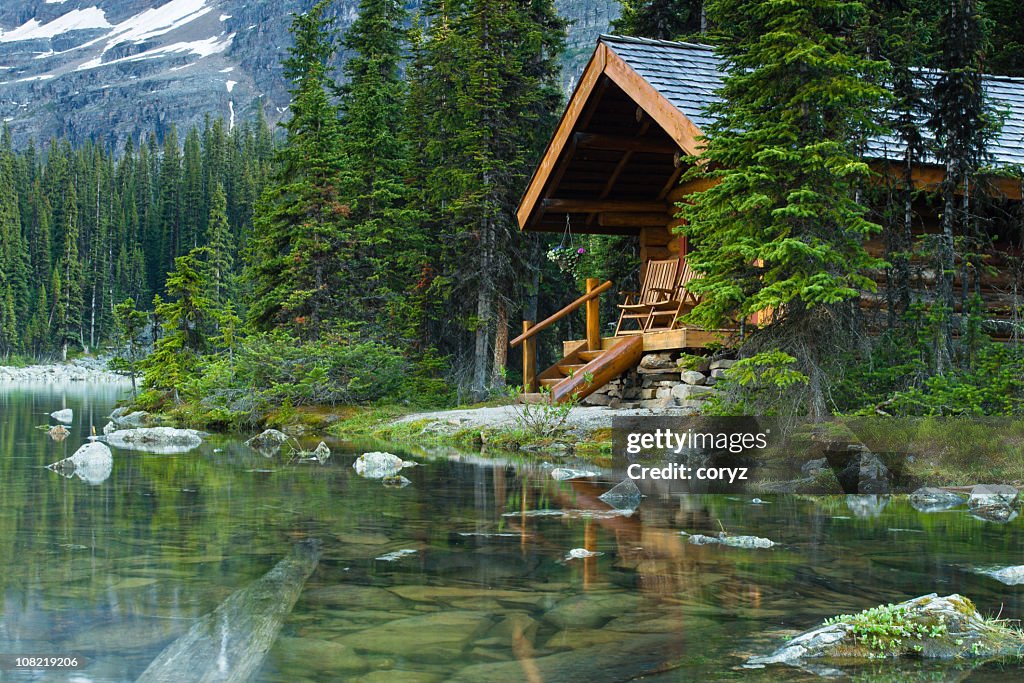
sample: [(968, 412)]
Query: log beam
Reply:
[(623, 144), (602, 205)]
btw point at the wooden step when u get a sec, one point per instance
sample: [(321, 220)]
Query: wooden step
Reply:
[(551, 381), (568, 369), (587, 356), (534, 397)]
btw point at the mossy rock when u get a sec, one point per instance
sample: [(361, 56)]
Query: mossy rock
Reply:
[(929, 627)]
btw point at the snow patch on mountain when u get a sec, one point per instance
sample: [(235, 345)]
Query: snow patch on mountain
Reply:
[(75, 20), (201, 48)]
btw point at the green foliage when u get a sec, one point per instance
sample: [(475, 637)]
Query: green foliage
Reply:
[(883, 630), (293, 267), (340, 368), (761, 384), (661, 19), (131, 324)]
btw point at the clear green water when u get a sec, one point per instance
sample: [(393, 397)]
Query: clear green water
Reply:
[(114, 572)]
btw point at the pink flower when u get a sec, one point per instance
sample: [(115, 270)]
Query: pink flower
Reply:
[(581, 250)]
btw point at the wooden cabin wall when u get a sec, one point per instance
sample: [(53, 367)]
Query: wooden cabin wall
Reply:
[(1000, 280), (658, 242)]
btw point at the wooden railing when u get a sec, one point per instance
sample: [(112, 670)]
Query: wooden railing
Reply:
[(530, 330)]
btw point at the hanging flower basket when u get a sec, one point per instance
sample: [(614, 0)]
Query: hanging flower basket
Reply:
[(567, 258)]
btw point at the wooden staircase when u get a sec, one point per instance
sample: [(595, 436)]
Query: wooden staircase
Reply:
[(583, 372)]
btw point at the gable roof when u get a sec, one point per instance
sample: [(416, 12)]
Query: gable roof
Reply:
[(687, 75), (671, 85)]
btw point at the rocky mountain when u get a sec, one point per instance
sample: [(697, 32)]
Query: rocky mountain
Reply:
[(109, 69)]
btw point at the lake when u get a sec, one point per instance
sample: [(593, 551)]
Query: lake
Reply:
[(115, 571)]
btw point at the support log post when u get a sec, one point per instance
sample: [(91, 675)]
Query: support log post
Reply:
[(529, 360), (593, 317)]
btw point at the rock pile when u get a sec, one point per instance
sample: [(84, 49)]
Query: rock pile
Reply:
[(661, 381)]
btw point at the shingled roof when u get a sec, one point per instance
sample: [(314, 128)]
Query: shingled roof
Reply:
[(687, 75)]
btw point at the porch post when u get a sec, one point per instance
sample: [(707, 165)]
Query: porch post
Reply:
[(593, 317), (529, 360)]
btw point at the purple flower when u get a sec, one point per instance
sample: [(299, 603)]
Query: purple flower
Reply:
[(581, 250)]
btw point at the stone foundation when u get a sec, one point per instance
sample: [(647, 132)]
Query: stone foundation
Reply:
[(660, 382)]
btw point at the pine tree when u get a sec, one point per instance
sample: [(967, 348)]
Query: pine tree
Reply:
[(383, 245), (170, 207), (962, 127), (1007, 37), (194, 211), (486, 94), (67, 323), (187, 318), (293, 266), (661, 19), (783, 229), (131, 324), (221, 260)]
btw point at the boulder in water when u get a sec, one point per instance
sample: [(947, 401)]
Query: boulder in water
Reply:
[(378, 465), (993, 502), (321, 453), (623, 496), (931, 499), (929, 626), (92, 463), (133, 420), (396, 481), (66, 415), (581, 554), (268, 440), (164, 440)]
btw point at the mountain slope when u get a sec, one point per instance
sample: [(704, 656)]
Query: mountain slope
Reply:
[(108, 69)]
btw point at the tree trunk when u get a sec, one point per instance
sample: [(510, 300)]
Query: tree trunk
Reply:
[(500, 346)]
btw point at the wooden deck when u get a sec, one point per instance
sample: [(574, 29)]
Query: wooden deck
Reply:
[(667, 340)]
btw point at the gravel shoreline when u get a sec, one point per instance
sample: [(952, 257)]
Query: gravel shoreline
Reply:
[(81, 370)]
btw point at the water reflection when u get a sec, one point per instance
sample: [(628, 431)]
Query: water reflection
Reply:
[(118, 571)]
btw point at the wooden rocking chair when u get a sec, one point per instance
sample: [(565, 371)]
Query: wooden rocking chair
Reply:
[(657, 287), (665, 315)]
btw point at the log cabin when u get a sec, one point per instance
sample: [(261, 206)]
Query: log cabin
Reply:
[(613, 166)]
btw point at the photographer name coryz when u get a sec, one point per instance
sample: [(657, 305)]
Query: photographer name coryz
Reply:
[(678, 472)]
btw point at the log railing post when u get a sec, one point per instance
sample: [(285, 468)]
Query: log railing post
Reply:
[(593, 317), (529, 360)]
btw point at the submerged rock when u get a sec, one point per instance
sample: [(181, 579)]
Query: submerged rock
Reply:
[(1011, 576), (268, 440), (396, 555), (929, 626), (58, 432), (623, 496), (581, 554), (92, 463), (931, 499), (378, 465), (566, 473), (66, 415), (396, 481), (749, 542), (163, 440)]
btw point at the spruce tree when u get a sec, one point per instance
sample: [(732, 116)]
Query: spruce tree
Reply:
[(661, 19), (783, 230), (67, 289), (221, 259), (383, 245), (293, 268), (489, 70), (962, 127)]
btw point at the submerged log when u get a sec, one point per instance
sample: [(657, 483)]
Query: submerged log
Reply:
[(229, 644)]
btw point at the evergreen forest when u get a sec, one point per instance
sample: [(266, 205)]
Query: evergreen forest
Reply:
[(368, 250)]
